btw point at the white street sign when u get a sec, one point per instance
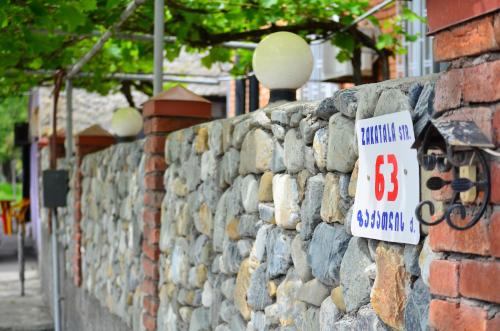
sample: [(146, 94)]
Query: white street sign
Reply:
[(388, 184)]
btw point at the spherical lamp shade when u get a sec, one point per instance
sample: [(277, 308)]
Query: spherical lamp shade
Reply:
[(283, 60), (126, 122)]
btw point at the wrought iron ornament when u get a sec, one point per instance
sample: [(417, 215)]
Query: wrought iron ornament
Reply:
[(449, 146)]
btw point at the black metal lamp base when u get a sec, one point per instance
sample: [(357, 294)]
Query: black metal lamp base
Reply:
[(282, 95), (125, 139)]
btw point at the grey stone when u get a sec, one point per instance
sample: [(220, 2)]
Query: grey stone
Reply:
[(249, 194), (347, 221), (299, 258), (259, 246), (372, 247), (257, 295), (222, 327), (208, 165), (227, 311), (233, 199), (410, 255), (256, 152), (311, 206), (244, 246), (229, 165), (368, 320), (313, 292), (215, 267), (215, 137), (308, 127), (355, 283), (294, 152), (278, 252), (231, 258), (295, 119), (344, 186), (199, 319), (371, 271), (227, 288), (346, 102), (237, 323), (210, 191), (327, 107), (392, 101), (414, 92), (279, 117), (266, 212), (278, 132), (248, 226), (367, 100), (257, 322), (277, 162), (260, 120), (417, 307), (240, 131), (286, 201), (180, 262), (427, 255), (192, 171), (219, 230), (201, 250), (207, 294), (309, 160), (287, 306), (326, 250), (342, 148), (320, 147), (424, 109), (308, 320), (328, 315)]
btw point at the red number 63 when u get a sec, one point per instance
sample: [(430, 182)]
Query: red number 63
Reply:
[(380, 180)]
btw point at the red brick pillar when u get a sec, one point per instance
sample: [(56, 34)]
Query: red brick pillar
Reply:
[(172, 110), (465, 283), (84, 145)]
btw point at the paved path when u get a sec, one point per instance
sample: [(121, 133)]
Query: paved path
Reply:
[(28, 313)]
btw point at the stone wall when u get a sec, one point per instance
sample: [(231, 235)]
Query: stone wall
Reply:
[(255, 229), (112, 205)]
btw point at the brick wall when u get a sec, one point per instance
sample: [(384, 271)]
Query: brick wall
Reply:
[(465, 283), (156, 128)]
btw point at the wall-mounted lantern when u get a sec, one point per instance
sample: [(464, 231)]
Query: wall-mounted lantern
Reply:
[(282, 62), (126, 124), (456, 146)]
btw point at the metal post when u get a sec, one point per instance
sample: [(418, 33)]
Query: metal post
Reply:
[(55, 273), (240, 96), (69, 121), (159, 28), (13, 178), (253, 93), (20, 252)]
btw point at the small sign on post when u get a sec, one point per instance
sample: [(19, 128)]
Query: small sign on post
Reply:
[(388, 186)]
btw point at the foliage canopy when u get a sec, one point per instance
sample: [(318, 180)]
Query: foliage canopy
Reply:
[(53, 34)]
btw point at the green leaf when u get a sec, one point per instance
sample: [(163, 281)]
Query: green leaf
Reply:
[(384, 40), (70, 16), (344, 41)]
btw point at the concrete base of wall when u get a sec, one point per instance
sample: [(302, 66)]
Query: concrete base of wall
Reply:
[(79, 310)]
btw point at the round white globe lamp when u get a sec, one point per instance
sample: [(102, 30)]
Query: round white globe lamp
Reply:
[(283, 62), (126, 124)]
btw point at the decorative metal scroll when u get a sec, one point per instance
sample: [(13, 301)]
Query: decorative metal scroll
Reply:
[(447, 148)]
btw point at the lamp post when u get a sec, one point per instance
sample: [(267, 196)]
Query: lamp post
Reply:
[(126, 124), (283, 62)]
